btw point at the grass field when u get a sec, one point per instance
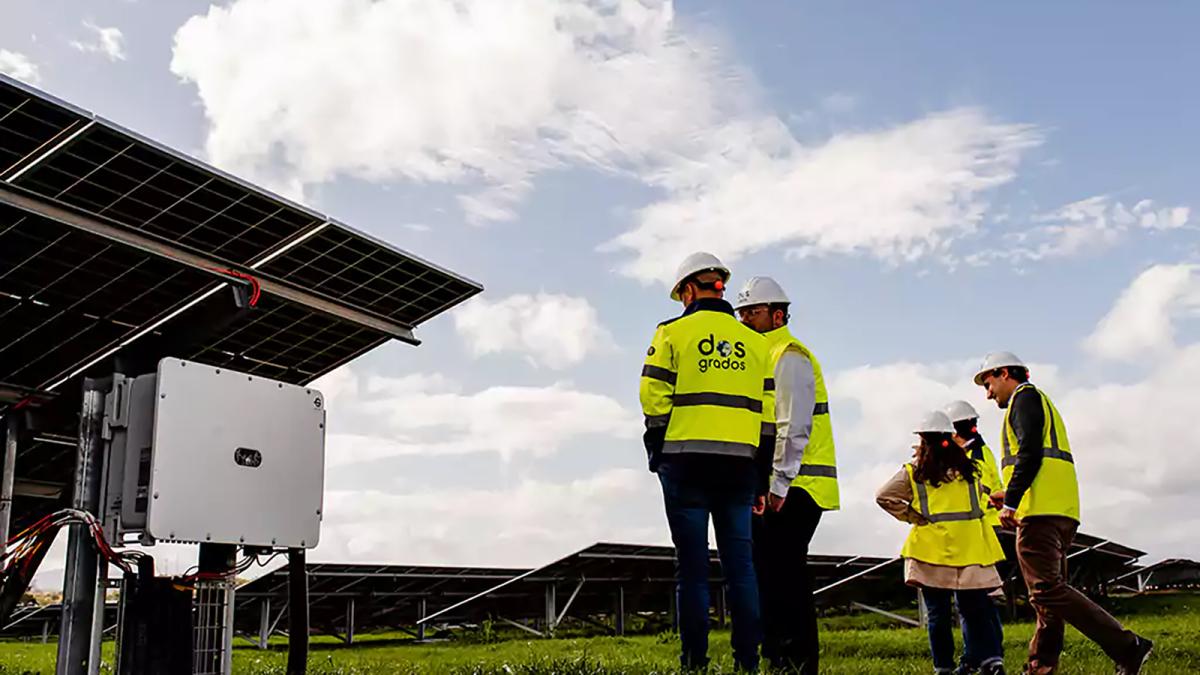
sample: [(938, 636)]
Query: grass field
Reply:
[(859, 644)]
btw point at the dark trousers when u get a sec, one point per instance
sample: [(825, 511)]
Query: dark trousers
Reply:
[(981, 649), (781, 539), (690, 501), (979, 637), (1043, 543)]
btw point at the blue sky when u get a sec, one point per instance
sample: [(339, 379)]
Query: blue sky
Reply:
[(929, 182)]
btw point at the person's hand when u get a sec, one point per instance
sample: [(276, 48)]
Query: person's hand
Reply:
[(775, 502), (1008, 518), (997, 499), (760, 505)]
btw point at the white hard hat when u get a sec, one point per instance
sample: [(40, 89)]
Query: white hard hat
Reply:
[(694, 264), (761, 291), (961, 411), (934, 422), (996, 360)]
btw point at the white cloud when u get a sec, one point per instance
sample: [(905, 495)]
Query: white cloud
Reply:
[(109, 42), (526, 524), (550, 329), (1086, 226), (895, 194), (1140, 326), (16, 64), (429, 414), (489, 96)]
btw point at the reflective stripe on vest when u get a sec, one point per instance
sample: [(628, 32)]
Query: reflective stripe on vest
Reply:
[(817, 470), (659, 373), (720, 400), (1053, 453)]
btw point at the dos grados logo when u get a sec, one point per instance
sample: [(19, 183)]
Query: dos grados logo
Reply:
[(729, 355)]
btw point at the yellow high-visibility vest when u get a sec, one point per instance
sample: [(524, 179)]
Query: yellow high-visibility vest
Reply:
[(956, 533), (707, 379), (1055, 490), (989, 475), (818, 468)]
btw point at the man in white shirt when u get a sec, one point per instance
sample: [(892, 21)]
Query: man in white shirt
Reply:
[(803, 482)]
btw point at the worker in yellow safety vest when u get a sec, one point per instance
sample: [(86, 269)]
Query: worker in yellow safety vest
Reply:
[(804, 482), (951, 552), (707, 396), (1041, 501)]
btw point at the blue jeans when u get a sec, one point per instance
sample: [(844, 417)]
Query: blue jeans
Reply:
[(690, 501), (993, 640), (980, 617)]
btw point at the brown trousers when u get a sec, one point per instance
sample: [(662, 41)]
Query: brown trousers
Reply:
[(1043, 543)]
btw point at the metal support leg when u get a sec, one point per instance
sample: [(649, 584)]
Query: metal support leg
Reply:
[(350, 621), (45, 631), (619, 611), (264, 622), (420, 617), (79, 584), (98, 618), (6, 479), (297, 662), (551, 610)]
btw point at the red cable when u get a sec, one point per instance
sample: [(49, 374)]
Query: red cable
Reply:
[(255, 287)]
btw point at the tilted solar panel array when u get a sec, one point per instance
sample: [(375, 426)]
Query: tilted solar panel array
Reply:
[(67, 296)]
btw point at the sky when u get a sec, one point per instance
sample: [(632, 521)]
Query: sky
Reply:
[(928, 182)]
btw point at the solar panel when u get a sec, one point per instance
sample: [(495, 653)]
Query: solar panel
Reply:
[(108, 172), (66, 295), (29, 122), (384, 595), (350, 267), (286, 342)]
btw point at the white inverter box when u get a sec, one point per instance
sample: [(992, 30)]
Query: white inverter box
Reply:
[(237, 458)]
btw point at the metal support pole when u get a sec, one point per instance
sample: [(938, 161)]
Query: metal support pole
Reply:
[(98, 618), (45, 631), (922, 609), (297, 661), (551, 610), (620, 611), (350, 621), (79, 583), (421, 619), (264, 622), (6, 480)]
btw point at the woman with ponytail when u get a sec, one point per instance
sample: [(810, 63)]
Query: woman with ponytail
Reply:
[(951, 551)]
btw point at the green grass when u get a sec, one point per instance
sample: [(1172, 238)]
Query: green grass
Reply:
[(856, 644)]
